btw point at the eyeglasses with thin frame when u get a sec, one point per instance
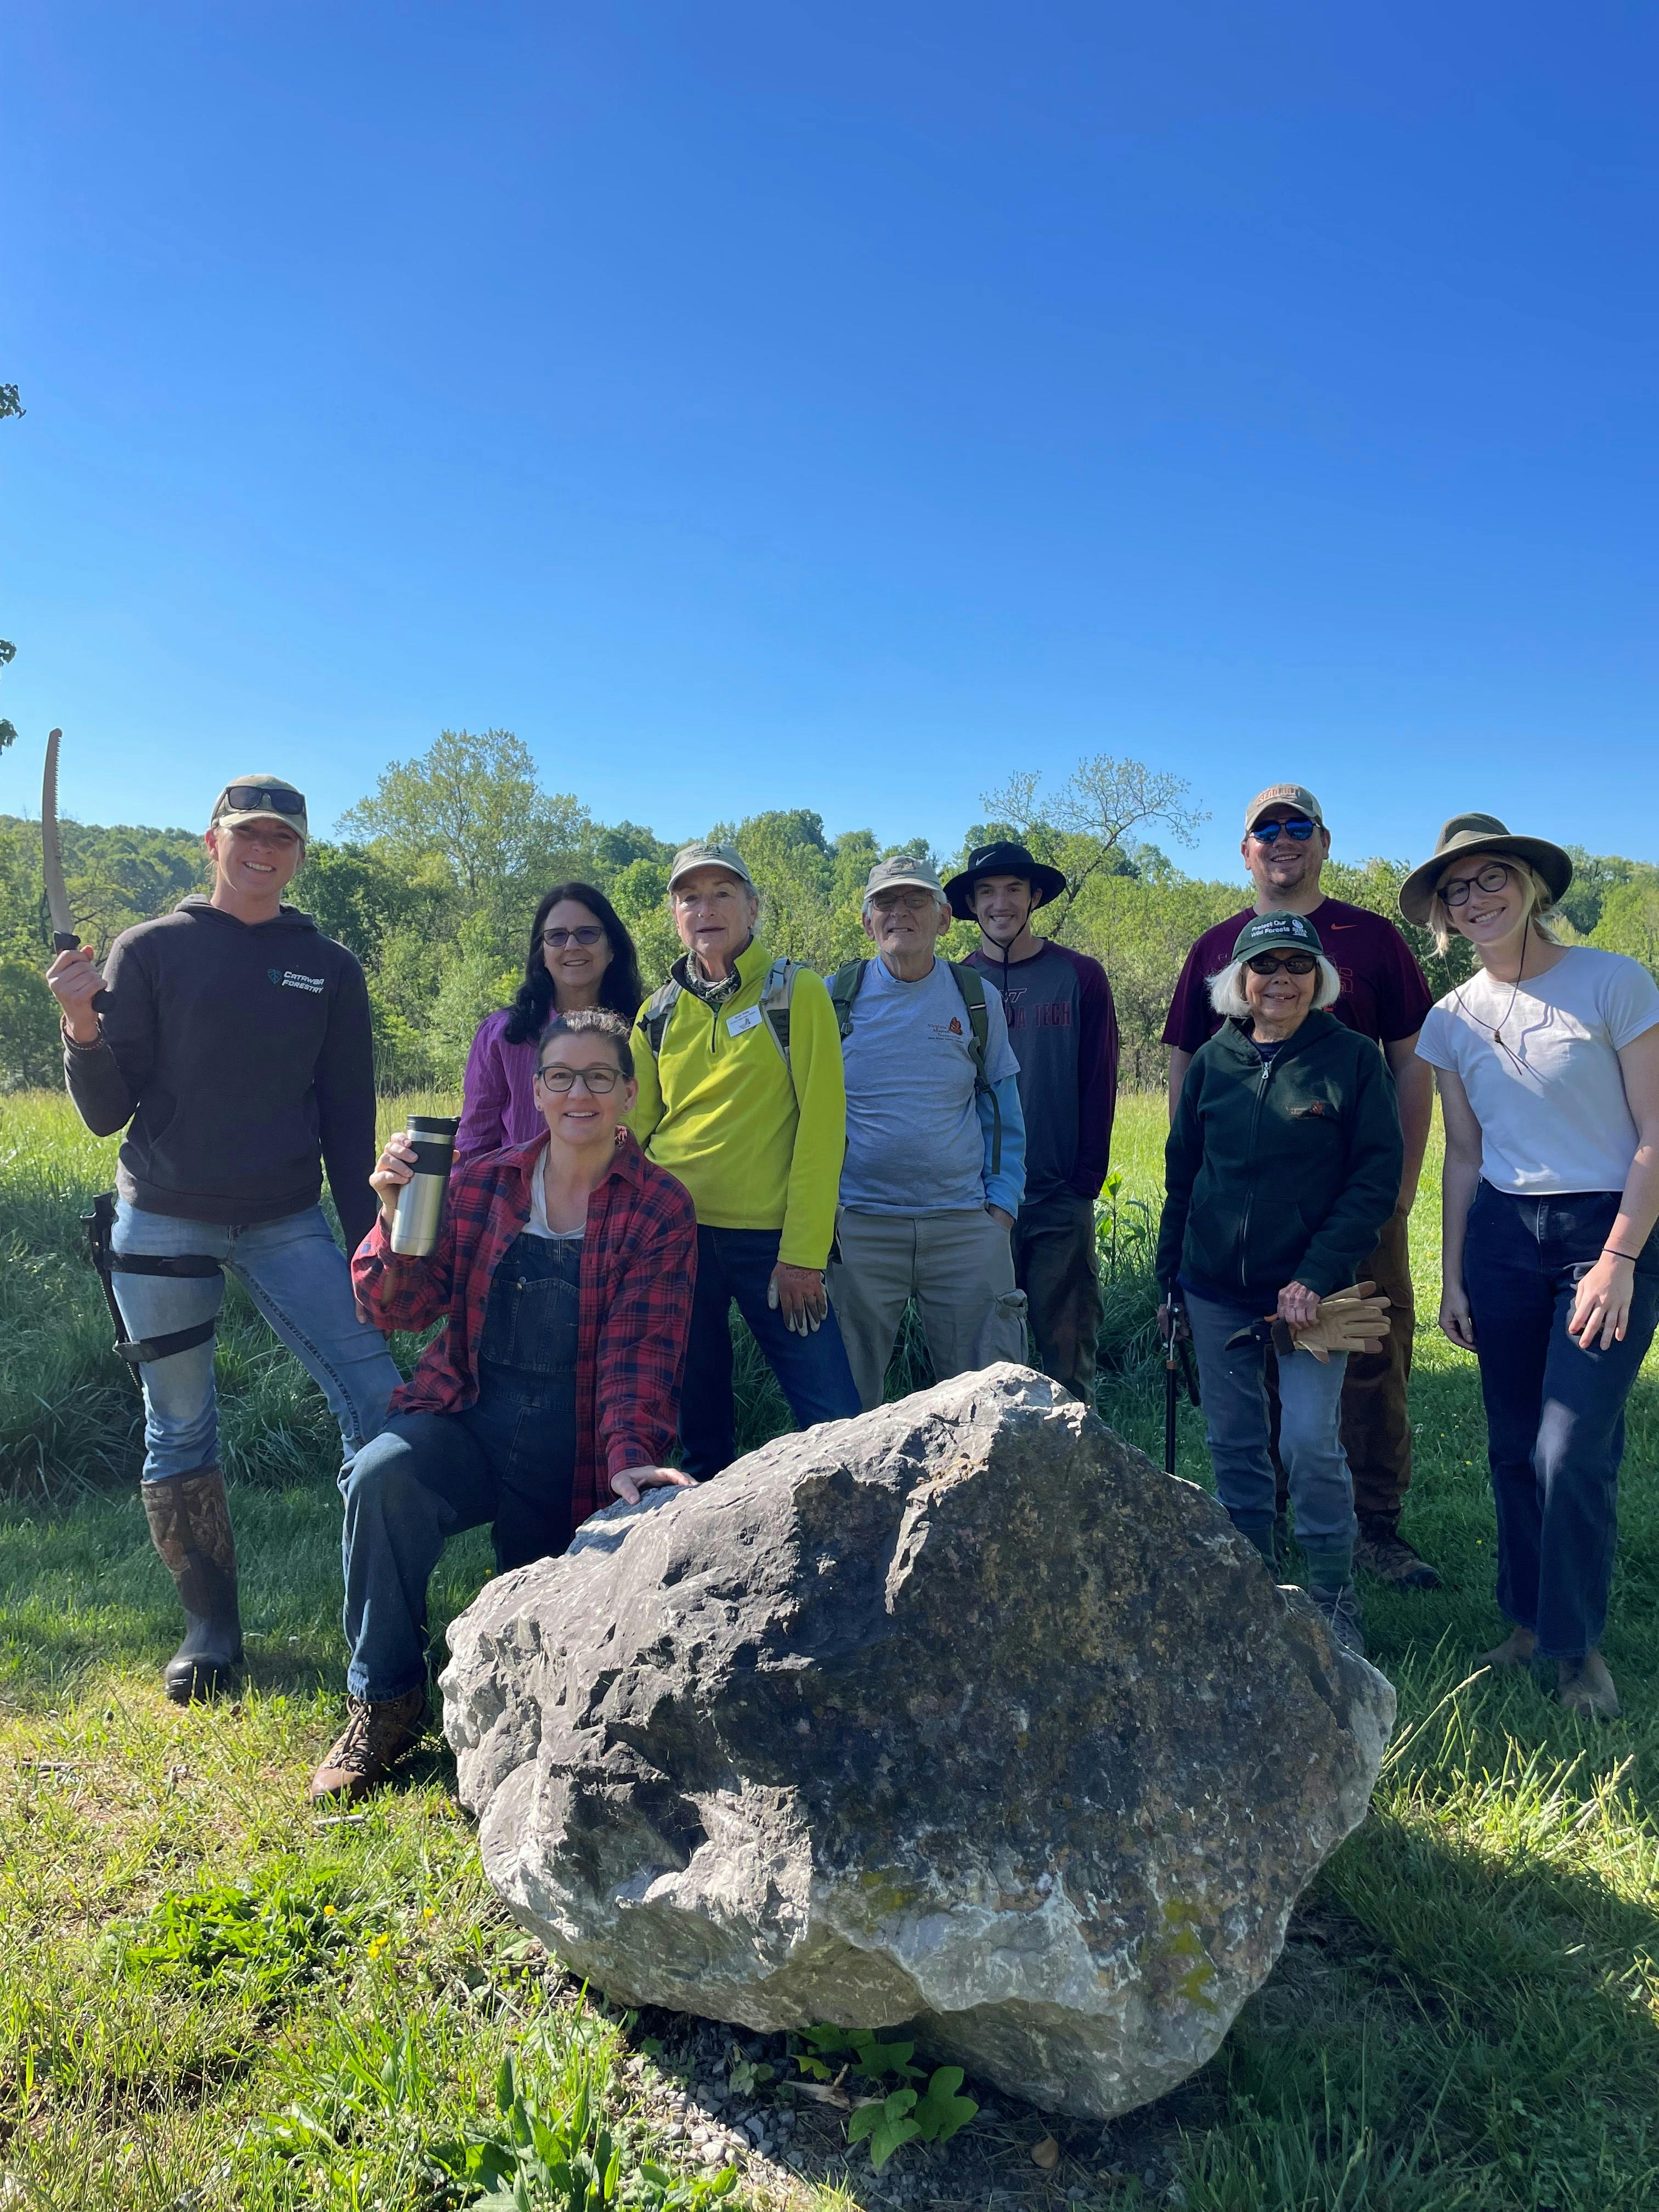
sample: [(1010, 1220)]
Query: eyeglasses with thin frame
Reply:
[(597, 1081), (1292, 963), (245, 798), (586, 932), (1492, 877), (1301, 829)]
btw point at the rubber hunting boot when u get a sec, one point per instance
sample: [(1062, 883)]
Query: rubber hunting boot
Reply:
[(189, 1518)]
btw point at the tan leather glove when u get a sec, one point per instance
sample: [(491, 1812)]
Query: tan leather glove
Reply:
[(1354, 1320)]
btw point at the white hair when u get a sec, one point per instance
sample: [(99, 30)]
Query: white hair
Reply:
[(1226, 990)]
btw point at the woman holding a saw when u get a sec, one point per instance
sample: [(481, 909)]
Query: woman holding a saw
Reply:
[(1283, 1163), (230, 1041)]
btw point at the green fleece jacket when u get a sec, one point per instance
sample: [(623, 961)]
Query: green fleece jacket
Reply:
[(756, 1148), (1280, 1172)]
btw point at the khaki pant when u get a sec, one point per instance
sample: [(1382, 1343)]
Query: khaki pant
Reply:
[(959, 1268), (1376, 1430)]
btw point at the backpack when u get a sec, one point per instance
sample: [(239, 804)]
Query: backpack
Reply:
[(776, 992), (846, 984)]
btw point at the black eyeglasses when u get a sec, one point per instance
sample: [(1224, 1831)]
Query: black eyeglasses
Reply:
[(247, 797), (1492, 877), (599, 1082), (1293, 963), (1265, 832), (589, 932)]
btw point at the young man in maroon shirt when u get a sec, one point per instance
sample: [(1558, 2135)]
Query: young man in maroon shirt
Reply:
[(1063, 1027), (1384, 996)]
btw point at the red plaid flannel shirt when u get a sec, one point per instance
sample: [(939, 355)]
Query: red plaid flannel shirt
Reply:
[(639, 1263)]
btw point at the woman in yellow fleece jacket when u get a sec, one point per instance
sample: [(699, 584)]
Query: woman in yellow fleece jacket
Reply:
[(741, 1097)]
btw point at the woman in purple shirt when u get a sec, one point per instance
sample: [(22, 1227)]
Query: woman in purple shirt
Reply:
[(580, 955)]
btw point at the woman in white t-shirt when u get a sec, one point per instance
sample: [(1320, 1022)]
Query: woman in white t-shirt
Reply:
[(1548, 1066)]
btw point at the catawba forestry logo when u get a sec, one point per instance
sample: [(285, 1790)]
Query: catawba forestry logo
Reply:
[(287, 979)]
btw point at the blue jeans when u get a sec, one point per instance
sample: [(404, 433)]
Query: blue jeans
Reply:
[(1555, 1415), (508, 1460), (1235, 1394), (301, 1281), (812, 1369)]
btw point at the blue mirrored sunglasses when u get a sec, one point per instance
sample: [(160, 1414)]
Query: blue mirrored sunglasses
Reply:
[(1265, 832)]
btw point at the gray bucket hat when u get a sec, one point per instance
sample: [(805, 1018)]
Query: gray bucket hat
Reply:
[(1480, 833)]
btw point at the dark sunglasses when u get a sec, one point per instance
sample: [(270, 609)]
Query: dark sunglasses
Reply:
[(248, 797), (1300, 829), (1270, 963), (587, 932)]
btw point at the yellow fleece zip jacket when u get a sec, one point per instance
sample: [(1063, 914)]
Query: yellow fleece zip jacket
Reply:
[(720, 1112)]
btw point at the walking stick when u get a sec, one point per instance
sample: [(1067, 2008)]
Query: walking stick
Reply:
[(1177, 1370)]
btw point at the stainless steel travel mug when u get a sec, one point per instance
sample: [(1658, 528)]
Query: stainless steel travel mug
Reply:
[(421, 1201)]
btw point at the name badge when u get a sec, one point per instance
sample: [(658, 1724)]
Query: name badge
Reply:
[(747, 1019)]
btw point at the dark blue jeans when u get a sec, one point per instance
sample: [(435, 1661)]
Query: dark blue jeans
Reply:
[(1555, 1415), (508, 1460), (812, 1369)]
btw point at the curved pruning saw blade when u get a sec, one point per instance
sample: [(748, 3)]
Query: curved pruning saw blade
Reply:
[(63, 936)]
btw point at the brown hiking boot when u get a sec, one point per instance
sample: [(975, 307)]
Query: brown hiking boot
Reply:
[(371, 1743), (1585, 1688), (189, 1519), (1384, 1552)]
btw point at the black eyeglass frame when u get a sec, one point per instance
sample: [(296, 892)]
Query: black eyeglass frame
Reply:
[(584, 933), (1502, 869), (584, 1075)]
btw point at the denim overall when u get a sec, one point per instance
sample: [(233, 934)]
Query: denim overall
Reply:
[(525, 1414), (510, 1460)]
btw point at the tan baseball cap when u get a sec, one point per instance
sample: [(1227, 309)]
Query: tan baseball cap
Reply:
[(703, 854), (1282, 794), (903, 869), (260, 798)]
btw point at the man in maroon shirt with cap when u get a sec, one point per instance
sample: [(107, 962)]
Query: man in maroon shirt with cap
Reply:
[(1384, 996)]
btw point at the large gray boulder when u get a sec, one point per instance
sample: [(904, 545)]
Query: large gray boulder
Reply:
[(960, 1714)]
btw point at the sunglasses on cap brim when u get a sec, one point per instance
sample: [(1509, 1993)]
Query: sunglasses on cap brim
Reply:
[(254, 799)]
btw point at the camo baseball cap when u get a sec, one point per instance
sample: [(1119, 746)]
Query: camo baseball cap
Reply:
[(260, 798), (1282, 794)]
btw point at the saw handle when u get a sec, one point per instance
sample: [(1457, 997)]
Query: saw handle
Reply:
[(65, 940)]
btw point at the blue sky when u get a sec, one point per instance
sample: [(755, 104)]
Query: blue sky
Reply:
[(841, 407)]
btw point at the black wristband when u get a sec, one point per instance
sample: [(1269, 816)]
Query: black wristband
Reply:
[(1607, 1251)]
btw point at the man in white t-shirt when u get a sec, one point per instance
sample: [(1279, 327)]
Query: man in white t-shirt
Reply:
[(935, 1165)]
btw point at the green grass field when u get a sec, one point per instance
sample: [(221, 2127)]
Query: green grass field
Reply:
[(215, 1996)]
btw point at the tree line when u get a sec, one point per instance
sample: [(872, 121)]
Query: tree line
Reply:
[(434, 877)]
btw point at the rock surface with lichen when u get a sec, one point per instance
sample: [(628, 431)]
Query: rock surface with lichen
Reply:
[(961, 1714)]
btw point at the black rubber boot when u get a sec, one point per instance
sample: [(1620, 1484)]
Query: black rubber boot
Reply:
[(189, 1526)]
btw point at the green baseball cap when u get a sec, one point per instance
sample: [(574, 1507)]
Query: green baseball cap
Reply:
[(260, 798), (1277, 933), (703, 855)]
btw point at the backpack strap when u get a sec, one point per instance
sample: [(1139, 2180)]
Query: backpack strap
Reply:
[(971, 984), (777, 993), (844, 987), (659, 1009)]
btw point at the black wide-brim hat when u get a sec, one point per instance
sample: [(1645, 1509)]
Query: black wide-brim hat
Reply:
[(1005, 858), (1481, 833)]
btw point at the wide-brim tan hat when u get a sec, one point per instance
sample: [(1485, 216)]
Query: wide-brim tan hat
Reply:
[(1481, 833)]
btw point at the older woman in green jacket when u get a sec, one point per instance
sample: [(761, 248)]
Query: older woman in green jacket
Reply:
[(1282, 1164)]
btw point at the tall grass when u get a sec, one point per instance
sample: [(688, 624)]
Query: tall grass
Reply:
[(1466, 2019)]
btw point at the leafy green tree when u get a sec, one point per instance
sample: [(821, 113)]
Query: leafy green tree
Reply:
[(1086, 830), (1629, 919)]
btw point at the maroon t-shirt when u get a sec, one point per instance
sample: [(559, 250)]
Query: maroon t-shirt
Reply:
[(1384, 995)]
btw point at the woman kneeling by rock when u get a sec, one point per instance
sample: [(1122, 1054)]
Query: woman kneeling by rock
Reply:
[(1282, 1165), (564, 1269)]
